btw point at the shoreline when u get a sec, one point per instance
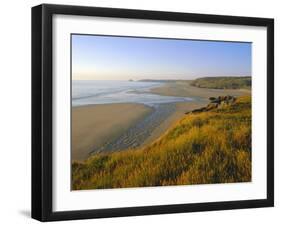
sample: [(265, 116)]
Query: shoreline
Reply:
[(115, 127), (184, 89), (122, 133), (151, 127)]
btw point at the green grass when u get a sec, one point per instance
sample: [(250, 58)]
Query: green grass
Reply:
[(202, 148), (223, 82)]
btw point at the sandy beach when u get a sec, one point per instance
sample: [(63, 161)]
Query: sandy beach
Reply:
[(114, 127), (92, 126)]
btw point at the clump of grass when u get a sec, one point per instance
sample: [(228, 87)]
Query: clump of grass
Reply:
[(202, 148)]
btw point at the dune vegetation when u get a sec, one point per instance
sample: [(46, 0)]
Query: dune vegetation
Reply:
[(223, 82), (207, 147)]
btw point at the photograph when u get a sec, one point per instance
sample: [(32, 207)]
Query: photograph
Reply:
[(144, 112), (150, 111)]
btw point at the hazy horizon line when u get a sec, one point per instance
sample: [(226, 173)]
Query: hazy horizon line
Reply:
[(162, 78)]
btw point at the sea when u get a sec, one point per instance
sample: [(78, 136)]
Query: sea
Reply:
[(87, 92)]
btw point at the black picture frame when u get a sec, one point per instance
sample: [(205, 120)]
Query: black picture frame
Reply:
[(42, 111)]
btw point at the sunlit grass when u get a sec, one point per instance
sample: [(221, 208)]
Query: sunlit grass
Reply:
[(202, 148)]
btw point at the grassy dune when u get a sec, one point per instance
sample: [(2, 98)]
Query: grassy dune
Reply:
[(201, 148)]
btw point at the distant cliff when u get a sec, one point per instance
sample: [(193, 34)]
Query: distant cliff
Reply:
[(223, 82)]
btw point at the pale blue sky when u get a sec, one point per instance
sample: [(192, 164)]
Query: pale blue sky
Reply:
[(123, 58)]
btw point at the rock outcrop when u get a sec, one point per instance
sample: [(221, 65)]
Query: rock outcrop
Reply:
[(216, 102)]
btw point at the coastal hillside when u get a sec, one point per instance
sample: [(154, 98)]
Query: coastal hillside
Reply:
[(209, 145), (223, 82)]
